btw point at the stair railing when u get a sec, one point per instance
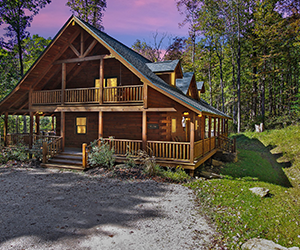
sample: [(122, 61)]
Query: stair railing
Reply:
[(226, 144), (85, 151), (51, 148)]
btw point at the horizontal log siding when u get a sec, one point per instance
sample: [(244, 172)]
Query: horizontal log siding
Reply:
[(125, 125), (74, 140)]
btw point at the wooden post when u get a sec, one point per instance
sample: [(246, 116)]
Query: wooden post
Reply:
[(192, 138), (81, 44), (144, 130), (84, 155), (101, 77), (219, 121), (62, 129), (100, 128), (145, 95), (30, 129), (226, 122), (209, 132), (52, 124), (215, 130), (5, 129), (203, 132), (37, 124), (45, 151), (63, 82)]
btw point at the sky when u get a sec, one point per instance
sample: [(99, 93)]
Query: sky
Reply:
[(125, 20)]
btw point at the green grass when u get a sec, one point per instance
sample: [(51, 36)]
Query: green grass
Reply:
[(239, 214)]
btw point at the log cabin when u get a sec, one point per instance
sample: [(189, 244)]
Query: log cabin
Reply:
[(95, 87)]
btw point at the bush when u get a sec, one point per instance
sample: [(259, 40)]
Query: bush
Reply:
[(179, 175), (101, 155), (18, 153)]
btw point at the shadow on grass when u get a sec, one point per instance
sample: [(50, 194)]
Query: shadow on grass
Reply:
[(54, 205), (256, 162)]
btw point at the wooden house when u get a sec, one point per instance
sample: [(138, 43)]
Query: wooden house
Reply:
[(96, 87)]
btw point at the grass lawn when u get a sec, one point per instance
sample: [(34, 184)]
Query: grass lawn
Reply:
[(271, 160)]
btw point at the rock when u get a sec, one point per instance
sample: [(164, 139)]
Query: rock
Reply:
[(262, 192), (216, 163), (210, 175), (225, 156), (263, 244), (259, 128)]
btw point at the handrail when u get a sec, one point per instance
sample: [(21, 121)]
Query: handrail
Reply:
[(52, 148), (226, 144)]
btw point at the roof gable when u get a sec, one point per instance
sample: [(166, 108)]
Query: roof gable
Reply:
[(134, 61)]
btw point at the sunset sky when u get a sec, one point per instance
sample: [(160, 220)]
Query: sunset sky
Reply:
[(125, 20)]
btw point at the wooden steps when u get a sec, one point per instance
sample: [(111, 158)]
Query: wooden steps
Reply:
[(66, 160)]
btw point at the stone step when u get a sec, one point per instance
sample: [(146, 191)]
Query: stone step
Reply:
[(50, 165)]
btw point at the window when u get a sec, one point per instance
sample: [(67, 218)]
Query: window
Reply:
[(81, 125), (173, 125)]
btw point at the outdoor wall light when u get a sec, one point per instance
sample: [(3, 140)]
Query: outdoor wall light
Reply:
[(186, 113)]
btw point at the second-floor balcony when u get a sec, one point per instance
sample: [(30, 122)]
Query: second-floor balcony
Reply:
[(107, 95)]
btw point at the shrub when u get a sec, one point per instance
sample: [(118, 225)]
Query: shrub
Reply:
[(101, 155), (18, 153), (177, 175)]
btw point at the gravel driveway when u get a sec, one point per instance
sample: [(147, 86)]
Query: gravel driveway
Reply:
[(50, 209)]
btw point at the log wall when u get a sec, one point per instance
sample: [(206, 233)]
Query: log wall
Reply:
[(123, 125), (75, 140)]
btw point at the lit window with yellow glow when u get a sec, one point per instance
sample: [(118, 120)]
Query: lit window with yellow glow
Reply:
[(81, 125), (174, 125)]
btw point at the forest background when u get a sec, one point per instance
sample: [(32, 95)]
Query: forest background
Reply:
[(245, 51)]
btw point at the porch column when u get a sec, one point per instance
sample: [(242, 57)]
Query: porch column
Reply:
[(37, 124), (5, 128), (209, 132), (192, 138), (145, 93), (63, 82), (62, 129), (101, 77), (52, 123), (30, 129), (219, 121), (144, 130), (215, 119), (203, 132), (100, 127), (226, 122)]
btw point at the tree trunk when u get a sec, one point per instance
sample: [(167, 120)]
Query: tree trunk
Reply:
[(239, 75)]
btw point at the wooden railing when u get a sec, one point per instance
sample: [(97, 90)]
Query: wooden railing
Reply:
[(46, 97), (82, 95), (226, 144), (52, 148), (169, 150), (121, 94), (15, 138), (203, 147), (122, 146)]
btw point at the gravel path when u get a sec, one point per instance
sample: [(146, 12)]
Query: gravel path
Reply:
[(50, 209)]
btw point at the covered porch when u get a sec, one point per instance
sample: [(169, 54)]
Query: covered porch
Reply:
[(153, 131)]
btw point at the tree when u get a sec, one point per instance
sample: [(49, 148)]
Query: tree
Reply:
[(90, 11), (18, 14)]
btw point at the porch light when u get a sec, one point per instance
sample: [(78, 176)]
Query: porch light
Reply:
[(200, 115), (40, 112), (186, 113)]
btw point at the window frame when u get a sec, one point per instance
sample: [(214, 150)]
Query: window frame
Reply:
[(76, 125)]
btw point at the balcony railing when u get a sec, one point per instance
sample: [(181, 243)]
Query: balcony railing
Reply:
[(119, 94)]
